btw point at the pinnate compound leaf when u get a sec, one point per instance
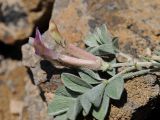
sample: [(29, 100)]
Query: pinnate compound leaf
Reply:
[(100, 113), (96, 36), (63, 91), (99, 34), (112, 72), (85, 104), (88, 49), (103, 50), (61, 117), (95, 94), (91, 41), (104, 45), (115, 88), (107, 38), (60, 104), (89, 76), (74, 110), (75, 83), (92, 74)]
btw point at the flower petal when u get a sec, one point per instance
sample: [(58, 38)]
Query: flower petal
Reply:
[(41, 49)]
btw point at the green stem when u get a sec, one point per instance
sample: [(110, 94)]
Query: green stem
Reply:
[(138, 73), (121, 73), (134, 74), (138, 64)]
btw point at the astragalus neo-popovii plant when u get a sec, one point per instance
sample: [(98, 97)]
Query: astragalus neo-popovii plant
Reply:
[(86, 92)]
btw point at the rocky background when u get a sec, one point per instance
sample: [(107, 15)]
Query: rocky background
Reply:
[(135, 22)]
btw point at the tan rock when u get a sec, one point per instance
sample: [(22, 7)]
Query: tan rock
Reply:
[(16, 106), (18, 18)]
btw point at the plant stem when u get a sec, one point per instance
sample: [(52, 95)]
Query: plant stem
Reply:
[(134, 74), (138, 73), (138, 64), (121, 73)]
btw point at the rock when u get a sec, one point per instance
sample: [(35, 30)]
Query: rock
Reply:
[(17, 90), (12, 90), (32, 61), (8, 62), (11, 85), (19, 17), (36, 107), (28, 58), (16, 107), (72, 19)]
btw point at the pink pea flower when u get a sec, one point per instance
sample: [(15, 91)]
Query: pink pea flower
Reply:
[(73, 56)]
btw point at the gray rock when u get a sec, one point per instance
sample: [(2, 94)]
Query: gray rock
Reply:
[(19, 17)]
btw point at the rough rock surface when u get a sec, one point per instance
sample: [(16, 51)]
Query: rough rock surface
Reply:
[(19, 17), (17, 21), (36, 107), (12, 82), (16, 85)]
